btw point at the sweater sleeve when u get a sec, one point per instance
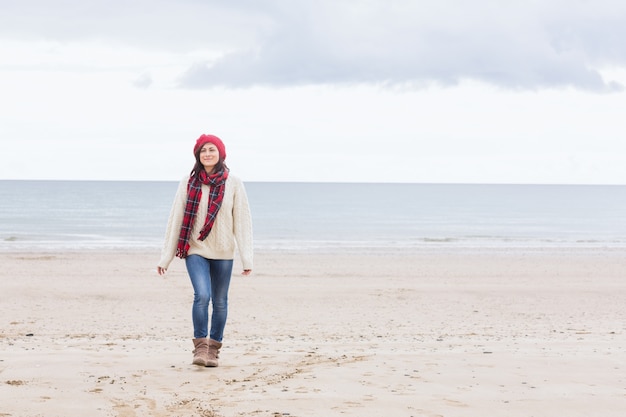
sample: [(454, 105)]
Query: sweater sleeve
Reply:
[(242, 226), (174, 224)]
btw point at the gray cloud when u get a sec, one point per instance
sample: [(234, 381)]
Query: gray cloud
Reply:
[(515, 44), (143, 82), (405, 43)]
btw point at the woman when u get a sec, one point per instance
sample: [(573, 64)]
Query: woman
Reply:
[(210, 217)]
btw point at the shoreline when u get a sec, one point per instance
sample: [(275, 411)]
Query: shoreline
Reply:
[(346, 249), (454, 333)]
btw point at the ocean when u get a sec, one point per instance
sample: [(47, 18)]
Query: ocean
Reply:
[(67, 215)]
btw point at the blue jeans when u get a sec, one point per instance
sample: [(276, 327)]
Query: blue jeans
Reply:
[(210, 279)]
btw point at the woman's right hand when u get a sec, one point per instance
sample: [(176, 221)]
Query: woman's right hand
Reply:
[(161, 271)]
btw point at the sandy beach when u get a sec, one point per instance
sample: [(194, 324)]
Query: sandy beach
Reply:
[(430, 333)]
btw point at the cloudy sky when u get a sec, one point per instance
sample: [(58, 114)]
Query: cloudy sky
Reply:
[(316, 90)]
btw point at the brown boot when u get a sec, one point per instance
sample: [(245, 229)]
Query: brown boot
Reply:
[(201, 352), (214, 352)]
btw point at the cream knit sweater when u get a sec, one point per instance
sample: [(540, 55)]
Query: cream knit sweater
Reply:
[(231, 231)]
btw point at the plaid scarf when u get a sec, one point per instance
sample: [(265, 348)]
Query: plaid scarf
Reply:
[(194, 193)]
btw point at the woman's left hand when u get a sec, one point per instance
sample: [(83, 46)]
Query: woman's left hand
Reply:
[(246, 272)]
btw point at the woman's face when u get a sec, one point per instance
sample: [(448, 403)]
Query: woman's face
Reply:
[(209, 156)]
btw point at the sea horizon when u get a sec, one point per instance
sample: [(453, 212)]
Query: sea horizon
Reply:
[(322, 216), (326, 182)]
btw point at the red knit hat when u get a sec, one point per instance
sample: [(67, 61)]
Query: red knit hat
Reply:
[(204, 139)]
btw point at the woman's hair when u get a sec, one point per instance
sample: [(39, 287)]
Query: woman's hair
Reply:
[(220, 166)]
